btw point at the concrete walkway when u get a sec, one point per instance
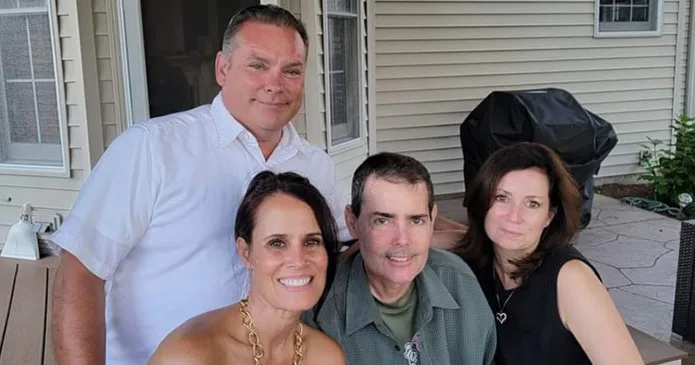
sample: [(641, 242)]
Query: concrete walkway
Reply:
[(636, 253)]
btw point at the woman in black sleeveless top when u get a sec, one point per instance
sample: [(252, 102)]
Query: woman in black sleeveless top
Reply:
[(548, 300)]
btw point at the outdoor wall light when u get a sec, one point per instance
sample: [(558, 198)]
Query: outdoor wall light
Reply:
[(684, 200)]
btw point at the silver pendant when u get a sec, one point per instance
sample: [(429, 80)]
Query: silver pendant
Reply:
[(501, 317)]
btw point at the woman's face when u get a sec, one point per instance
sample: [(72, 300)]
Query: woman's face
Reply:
[(520, 211), (287, 254)]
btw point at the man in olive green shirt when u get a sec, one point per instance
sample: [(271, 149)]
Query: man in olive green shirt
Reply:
[(398, 300)]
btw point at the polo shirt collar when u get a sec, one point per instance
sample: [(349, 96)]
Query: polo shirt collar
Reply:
[(361, 309)]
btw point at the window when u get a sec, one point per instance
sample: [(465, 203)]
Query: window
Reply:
[(343, 59), (30, 122), (628, 16)]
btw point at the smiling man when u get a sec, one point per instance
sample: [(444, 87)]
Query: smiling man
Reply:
[(399, 300)]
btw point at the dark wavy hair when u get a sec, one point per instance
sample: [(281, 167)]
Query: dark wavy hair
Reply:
[(266, 184), (565, 201)]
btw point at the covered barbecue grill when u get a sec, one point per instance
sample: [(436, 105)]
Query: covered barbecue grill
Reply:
[(549, 116)]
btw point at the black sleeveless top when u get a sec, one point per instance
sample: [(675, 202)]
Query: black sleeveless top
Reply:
[(532, 332)]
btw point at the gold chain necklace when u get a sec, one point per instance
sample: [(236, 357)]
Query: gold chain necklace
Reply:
[(256, 342)]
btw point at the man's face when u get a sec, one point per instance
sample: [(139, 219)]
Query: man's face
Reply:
[(394, 230), (262, 80)]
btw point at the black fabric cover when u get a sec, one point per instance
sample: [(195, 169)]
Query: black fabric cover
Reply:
[(549, 116)]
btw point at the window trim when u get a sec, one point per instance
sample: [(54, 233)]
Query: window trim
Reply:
[(598, 33), (62, 170), (361, 139)]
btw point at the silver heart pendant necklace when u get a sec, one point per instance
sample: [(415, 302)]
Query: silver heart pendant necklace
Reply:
[(501, 316)]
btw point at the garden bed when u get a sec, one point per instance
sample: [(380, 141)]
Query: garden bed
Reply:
[(642, 196), (619, 191)]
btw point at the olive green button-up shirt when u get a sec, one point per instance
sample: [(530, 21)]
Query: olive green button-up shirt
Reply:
[(453, 322)]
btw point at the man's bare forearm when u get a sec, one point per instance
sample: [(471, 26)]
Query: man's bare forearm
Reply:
[(78, 315)]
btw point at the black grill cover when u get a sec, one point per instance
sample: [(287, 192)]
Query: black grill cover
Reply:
[(549, 116)]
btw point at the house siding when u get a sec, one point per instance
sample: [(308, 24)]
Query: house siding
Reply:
[(313, 116), (108, 66), (436, 60), (347, 161), (51, 195), (299, 122)]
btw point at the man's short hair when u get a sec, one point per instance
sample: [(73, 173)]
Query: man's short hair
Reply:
[(392, 167), (266, 14)]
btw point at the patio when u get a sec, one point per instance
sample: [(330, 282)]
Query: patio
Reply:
[(25, 325)]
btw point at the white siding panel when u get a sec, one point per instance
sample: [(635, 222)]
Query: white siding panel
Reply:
[(505, 81), (436, 61), (299, 121), (395, 34), (505, 44), (345, 166), (52, 194), (346, 161), (649, 89), (107, 69)]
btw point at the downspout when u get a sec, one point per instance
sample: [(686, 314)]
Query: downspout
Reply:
[(690, 83)]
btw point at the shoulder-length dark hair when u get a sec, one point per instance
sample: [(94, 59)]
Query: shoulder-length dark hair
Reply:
[(564, 195), (267, 184)]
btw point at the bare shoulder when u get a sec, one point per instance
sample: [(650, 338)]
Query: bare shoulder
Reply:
[(577, 274), (195, 342), (578, 288), (321, 349)]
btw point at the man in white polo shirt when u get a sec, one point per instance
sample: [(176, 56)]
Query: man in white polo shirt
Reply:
[(149, 242)]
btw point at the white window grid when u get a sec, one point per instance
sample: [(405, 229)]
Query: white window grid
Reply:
[(628, 18), (48, 154), (342, 132)]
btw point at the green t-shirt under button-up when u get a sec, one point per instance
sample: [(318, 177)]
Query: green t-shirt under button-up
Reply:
[(453, 322)]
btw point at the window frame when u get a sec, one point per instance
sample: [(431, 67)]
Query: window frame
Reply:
[(625, 30), (36, 168), (361, 138)]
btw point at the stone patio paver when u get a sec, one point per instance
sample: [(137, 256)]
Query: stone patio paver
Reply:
[(612, 277), (659, 230), (662, 273), (596, 236), (648, 315), (626, 252), (662, 293), (644, 253)]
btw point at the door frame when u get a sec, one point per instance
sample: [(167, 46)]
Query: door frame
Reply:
[(134, 75)]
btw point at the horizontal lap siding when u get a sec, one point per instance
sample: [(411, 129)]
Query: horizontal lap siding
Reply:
[(50, 195), (299, 121), (436, 60), (107, 69), (346, 162)]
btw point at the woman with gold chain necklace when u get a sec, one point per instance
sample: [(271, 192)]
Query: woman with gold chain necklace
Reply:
[(287, 237)]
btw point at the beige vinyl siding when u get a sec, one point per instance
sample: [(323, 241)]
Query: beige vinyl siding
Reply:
[(105, 39), (346, 161), (436, 60), (299, 121), (323, 96), (50, 195)]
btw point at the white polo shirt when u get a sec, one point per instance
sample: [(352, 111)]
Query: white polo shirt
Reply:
[(155, 219)]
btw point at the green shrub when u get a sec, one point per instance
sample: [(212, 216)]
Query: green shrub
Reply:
[(671, 170)]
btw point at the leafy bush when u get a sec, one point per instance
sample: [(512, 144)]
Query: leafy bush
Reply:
[(671, 170)]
